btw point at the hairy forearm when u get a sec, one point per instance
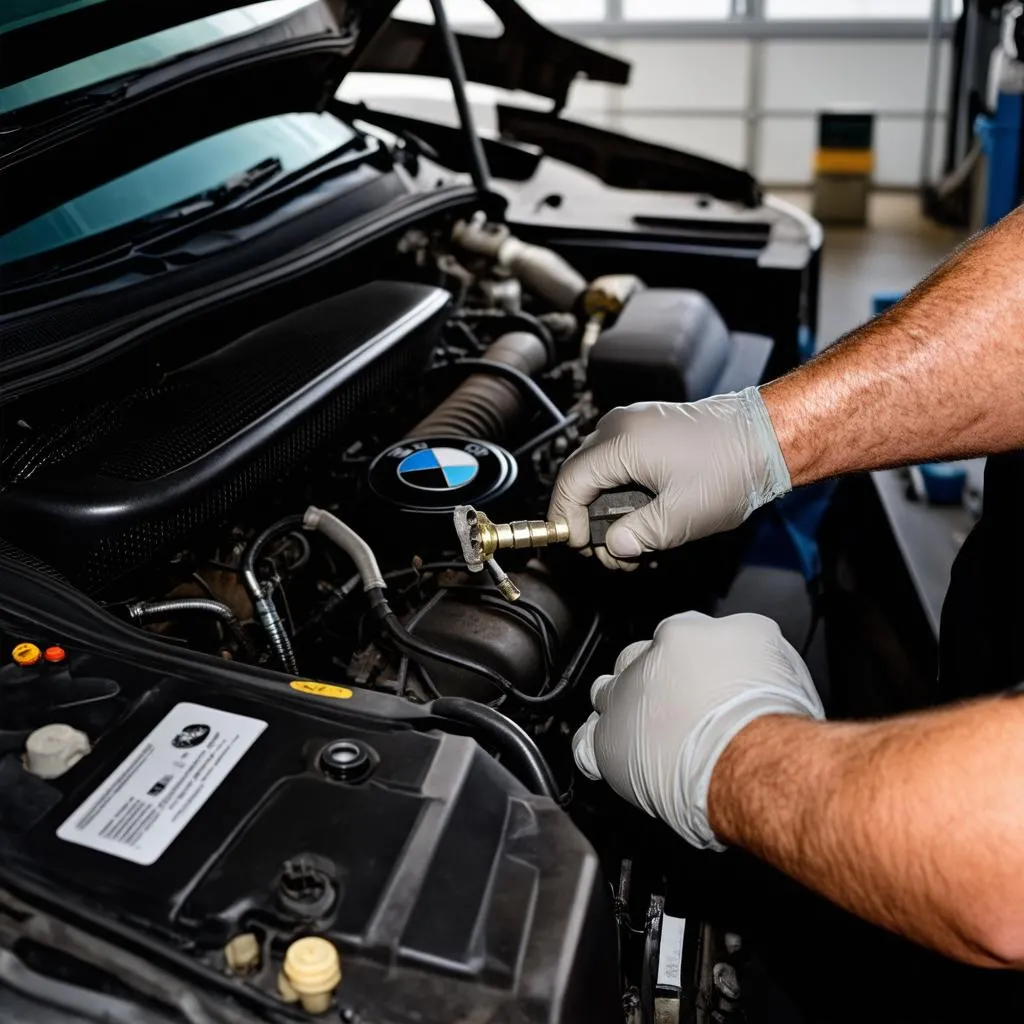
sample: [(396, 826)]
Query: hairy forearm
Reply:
[(936, 376), (915, 823)]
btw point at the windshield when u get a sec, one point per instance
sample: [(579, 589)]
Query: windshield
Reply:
[(295, 140), (136, 55)]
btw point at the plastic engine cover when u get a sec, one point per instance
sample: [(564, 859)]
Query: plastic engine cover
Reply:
[(450, 892), (671, 345)]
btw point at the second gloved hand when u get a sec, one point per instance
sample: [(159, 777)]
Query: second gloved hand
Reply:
[(709, 464), (676, 702)]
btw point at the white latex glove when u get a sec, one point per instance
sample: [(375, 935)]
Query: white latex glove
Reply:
[(709, 463), (675, 703)]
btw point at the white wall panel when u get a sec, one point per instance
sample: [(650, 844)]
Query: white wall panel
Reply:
[(848, 8), (876, 75), (709, 74), (786, 150), (668, 10), (898, 145)]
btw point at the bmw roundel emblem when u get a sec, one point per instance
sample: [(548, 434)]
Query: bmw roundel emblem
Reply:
[(439, 469), (434, 474)]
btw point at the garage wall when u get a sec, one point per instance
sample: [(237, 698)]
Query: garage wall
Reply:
[(749, 102)]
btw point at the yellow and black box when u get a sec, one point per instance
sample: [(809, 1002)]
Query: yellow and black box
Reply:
[(843, 167)]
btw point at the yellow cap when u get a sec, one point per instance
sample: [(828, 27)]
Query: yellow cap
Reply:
[(26, 654), (312, 970)]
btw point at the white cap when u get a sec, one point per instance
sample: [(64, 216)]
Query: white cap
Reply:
[(311, 972), (53, 749)]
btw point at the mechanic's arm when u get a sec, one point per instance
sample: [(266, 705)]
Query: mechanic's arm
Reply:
[(937, 376), (915, 823)]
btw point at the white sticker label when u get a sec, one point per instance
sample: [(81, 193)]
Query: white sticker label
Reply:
[(158, 789), (670, 955)]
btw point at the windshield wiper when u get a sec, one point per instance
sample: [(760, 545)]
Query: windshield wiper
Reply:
[(215, 198)]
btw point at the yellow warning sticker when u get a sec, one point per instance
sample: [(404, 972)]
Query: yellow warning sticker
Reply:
[(321, 689)]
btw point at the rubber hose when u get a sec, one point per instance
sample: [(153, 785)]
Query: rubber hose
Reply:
[(142, 612), (508, 737), (526, 384), (486, 406), (502, 321)]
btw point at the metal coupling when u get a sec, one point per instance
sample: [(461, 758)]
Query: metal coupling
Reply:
[(480, 539), (533, 533)]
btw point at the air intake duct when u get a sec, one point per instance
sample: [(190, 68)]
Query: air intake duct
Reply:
[(485, 406)]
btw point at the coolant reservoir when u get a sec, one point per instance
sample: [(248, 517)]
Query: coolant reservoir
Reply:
[(53, 749)]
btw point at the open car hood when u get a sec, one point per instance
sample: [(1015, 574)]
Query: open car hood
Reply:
[(42, 35), (64, 145), (57, 34), (294, 63), (526, 56)]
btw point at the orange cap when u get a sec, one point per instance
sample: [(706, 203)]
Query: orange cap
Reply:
[(54, 653), (26, 654)]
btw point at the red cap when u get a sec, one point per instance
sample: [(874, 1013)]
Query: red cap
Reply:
[(54, 654)]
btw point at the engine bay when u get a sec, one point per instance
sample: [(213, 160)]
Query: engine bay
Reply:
[(389, 767)]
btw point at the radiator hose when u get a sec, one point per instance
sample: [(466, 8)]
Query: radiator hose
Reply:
[(504, 734)]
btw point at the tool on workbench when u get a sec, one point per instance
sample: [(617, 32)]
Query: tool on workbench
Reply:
[(480, 538)]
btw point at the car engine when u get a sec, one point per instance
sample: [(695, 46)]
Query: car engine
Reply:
[(287, 504)]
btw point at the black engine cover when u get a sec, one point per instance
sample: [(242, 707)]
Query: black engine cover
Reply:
[(451, 889), (102, 493)]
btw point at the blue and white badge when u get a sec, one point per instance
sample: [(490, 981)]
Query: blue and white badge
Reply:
[(439, 469)]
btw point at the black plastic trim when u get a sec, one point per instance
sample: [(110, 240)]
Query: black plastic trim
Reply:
[(526, 56), (624, 162)]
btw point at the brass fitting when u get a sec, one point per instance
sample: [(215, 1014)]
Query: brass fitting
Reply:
[(519, 535), (480, 539)]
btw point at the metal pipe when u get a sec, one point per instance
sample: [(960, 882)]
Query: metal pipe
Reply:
[(970, 61), (157, 611), (931, 93), (141, 612), (478, 169), (263, 602)]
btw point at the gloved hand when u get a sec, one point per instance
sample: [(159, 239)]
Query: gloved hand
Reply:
[(709, 464), (675, 703)]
